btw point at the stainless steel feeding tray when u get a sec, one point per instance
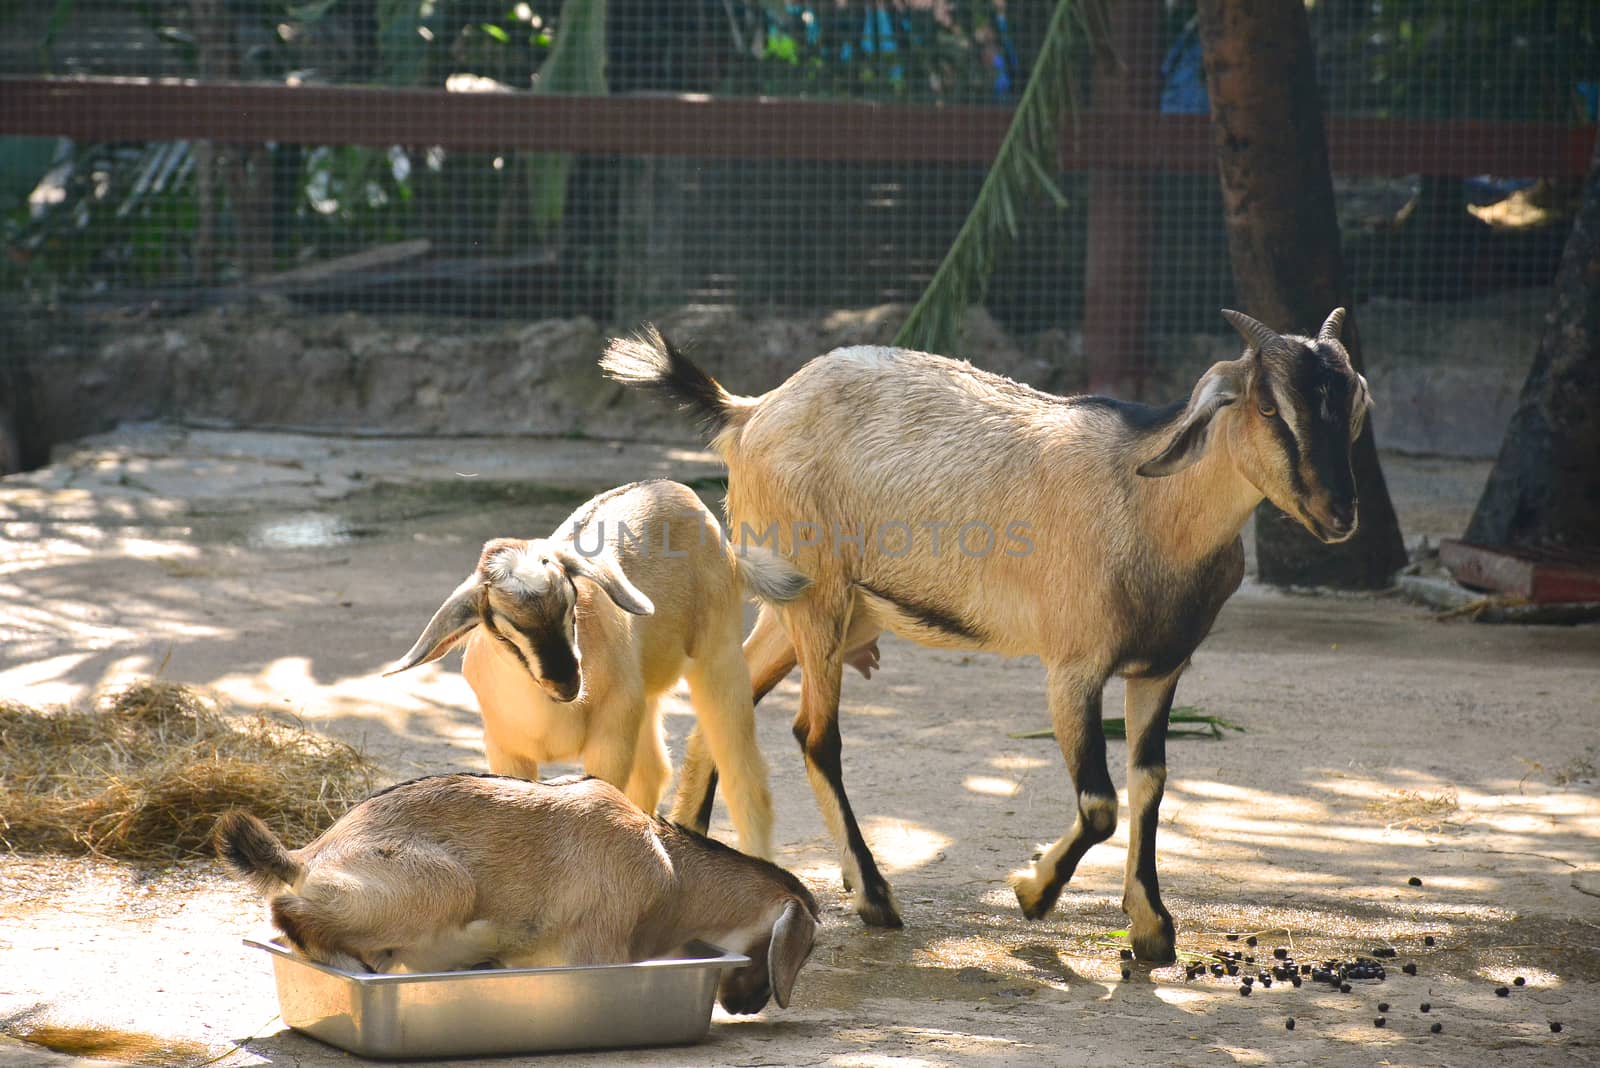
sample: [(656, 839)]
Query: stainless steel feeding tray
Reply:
[(501, 1010)]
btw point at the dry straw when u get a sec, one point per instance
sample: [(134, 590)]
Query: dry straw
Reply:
[(144, 775)]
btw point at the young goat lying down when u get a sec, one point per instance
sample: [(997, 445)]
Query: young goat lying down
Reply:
[(565, 669), (459, 871)]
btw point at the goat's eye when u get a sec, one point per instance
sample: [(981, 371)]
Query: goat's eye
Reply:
[(1267, 409)]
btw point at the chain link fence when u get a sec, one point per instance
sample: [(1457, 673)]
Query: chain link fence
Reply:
[(849, 199)]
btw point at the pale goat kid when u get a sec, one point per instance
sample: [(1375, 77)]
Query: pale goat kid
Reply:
[(1122, 543), (572, 641), (462, 871)]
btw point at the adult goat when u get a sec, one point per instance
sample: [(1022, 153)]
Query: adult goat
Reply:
[(1107, 539)]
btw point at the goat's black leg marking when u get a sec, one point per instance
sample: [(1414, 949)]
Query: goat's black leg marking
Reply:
[(820, 644), (702, 814), (1148, 706), (874, 900), (1075, 714)]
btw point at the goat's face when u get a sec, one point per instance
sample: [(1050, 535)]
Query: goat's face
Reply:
[(1297, 406), (775, 962), (529, 608), (524, 595), (1303, 407)]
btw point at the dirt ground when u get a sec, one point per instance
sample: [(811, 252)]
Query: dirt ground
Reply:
[(286, 571)]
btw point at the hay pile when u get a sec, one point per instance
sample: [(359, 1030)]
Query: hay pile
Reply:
[(145, 775)]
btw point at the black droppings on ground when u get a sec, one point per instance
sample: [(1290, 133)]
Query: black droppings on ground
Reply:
[(1280, 953), (1380, 1022), (1231, 937), (1383, 1006), (1555, 1025), (1384, 951), (1409, 968), (1127, 973), (1296, 982), (1502, 991), (1288, 1025), (1413, 881), (1519, 981), (1436, 1028), (1426, 1007), (1427, 940), (1244, 990), (1344, 988), (1250, 941)]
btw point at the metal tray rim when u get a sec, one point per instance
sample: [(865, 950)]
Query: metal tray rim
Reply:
[(722, 958)]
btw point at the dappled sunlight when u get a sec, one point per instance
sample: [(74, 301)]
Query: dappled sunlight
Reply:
[(883, 1060), (1015, 762), (901, 845), (934, 1040), (990, 786)]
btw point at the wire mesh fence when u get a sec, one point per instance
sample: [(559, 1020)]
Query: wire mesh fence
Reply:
[(760, 209)]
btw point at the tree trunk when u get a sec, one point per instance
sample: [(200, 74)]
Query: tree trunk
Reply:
[(1116, 285), (1544, 489), (1283, 240)]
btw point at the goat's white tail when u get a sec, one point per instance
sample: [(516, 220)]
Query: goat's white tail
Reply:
[(766, 574)]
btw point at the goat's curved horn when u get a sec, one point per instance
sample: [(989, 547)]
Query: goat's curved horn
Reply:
[(1256, 333), (1330, 329)]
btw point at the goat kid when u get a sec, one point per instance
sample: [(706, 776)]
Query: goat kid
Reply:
[(1129, 519), (460, 871), (572, 640)]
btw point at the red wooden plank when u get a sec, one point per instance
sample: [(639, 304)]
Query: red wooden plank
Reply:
[(1540, 577), (135, 109)]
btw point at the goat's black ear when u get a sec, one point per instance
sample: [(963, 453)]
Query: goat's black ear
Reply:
[(1219, 388), (603, 573), (457, 616), (792, 938)]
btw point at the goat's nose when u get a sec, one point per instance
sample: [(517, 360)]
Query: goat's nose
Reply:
[(1343, 515)]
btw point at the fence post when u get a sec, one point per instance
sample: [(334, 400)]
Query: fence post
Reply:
[(1116, 286)]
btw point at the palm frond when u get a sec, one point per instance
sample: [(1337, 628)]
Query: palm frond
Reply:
[(1020, 174)]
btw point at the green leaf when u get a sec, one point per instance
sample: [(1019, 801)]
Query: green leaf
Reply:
[(1185, 721), (23, 162), (496, 32)]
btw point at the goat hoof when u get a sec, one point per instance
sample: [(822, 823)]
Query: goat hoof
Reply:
[(880, 914), (1156, 944), (1034, 900)]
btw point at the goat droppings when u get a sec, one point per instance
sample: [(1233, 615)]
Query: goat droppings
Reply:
[(1555, 1025), (1502, 991), (1427, 940), (1288, 1025), (1519, 981), (1380, 1022), (1426, 1007), (1413, 881), (1436, 1028), (1408, 968)]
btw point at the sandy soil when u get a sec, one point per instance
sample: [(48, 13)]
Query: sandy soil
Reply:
[(285, 572)]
